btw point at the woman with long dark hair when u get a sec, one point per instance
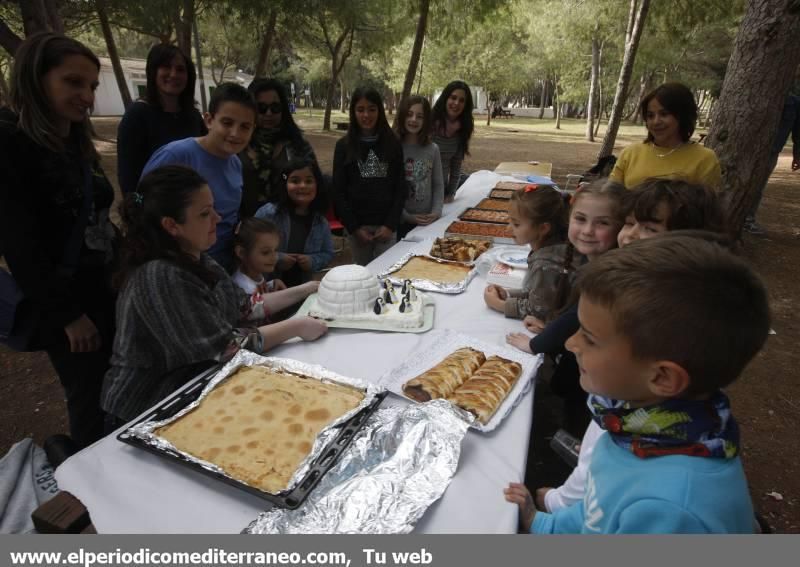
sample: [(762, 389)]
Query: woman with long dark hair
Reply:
[(276, 141), (452, 129), (56, 235), (166, 113), (670, 116), (368, 178)]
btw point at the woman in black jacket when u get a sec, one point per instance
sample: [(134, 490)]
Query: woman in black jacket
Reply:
[(55, 198), (166, 113)]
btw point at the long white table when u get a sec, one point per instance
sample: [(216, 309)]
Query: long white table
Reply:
[(130, 491)]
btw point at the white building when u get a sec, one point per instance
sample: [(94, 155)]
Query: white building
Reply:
[(108, 101)]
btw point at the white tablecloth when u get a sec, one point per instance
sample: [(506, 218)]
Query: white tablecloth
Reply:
[(130, 491)]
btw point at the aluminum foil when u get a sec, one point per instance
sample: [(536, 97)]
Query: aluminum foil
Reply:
[(146, 430), (399, 464), (428, 285), (443, 343)]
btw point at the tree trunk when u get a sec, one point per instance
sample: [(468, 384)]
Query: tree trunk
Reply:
[(34, 16), (635, 107), (556, 105), (342, 97), (8, 39), (262, 65), (416, 51), (111, 46), (760, 71), (326, 121), (53, 16), (594, 77), (488, 109), (600, 101), (636, 20), (338, 59), (545, 94), (184, 21), (419, 79), (199, 61), (4, 90)]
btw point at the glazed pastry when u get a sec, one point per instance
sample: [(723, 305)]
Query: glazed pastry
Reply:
[(510, 186), (483, 393), (441, 380), (494, 204), (480, 229), (459, 249), (482, 215)]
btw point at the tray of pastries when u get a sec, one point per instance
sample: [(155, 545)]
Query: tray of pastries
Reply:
[(430, 274), (459, 249), (498, 233), (510, 186), (494, 204), (501, 193), (272, 429), (484, 379), (483, 215)]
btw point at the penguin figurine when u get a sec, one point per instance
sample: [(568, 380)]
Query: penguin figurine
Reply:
[(405, 307), (412, 292), (379, 305), (406, 286), (387, 297)]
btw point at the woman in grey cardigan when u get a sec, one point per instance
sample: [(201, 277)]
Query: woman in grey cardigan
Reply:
[(177, 307), (452, 130)]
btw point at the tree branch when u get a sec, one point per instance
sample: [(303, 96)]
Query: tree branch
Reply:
[(8, 39)]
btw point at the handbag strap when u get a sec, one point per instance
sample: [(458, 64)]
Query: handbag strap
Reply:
[(72, 250)]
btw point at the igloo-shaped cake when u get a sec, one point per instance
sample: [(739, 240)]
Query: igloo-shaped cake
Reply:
[(351, 292)]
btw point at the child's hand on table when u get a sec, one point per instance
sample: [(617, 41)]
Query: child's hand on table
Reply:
[(311, 329), (276, 285), (519, 340), (310, 287), (533, 324), (518, 494), (495, 297), (540, 494)]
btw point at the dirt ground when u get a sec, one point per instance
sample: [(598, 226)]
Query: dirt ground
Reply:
[(766, 400)]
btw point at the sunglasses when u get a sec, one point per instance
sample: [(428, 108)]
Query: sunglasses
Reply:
[(273, 107)]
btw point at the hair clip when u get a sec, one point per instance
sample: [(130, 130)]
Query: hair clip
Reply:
[(530, 187), (138, 198)]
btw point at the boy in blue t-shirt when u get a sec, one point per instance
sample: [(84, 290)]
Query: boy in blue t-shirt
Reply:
[(665, 323), (230, 121)]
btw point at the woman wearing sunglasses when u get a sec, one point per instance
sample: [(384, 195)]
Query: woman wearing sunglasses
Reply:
[(276, 142)]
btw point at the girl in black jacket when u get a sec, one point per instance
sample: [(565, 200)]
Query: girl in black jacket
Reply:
[(54, 193), (368, 178)]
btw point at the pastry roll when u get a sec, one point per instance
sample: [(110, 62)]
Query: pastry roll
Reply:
[(483, 393), (441, 380)]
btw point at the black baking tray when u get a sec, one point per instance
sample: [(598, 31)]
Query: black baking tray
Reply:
[(291, 499)]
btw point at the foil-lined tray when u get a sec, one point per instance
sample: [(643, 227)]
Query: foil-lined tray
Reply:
[(399, 464), (443, 343), (330, 443), (429, 285)]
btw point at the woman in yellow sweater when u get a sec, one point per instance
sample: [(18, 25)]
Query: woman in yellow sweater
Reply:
[(670, 115)]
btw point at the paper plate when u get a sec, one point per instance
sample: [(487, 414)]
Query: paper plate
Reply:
[(513, 258)]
